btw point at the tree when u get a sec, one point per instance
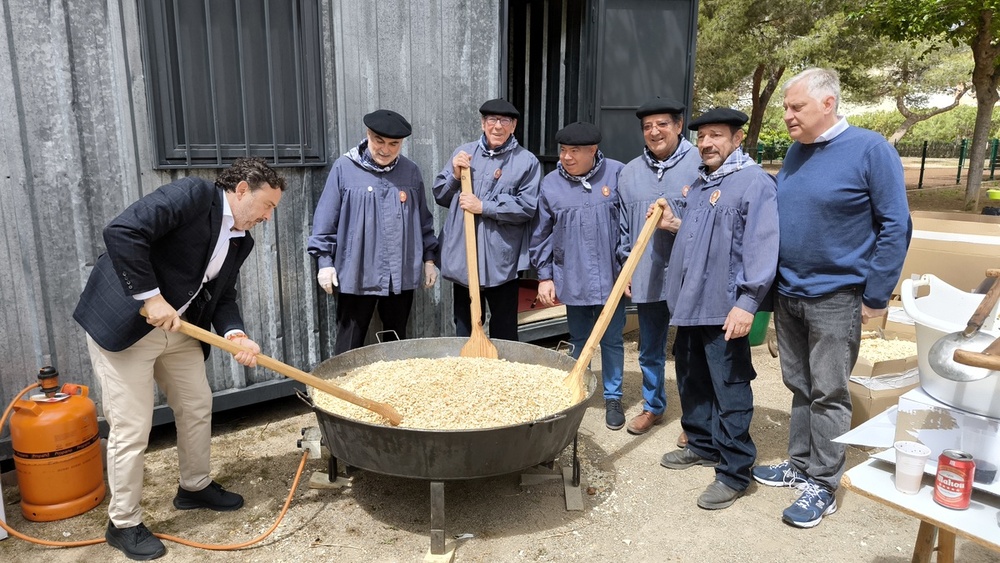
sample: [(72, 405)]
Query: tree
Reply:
[(974, 23), (919, 69), (745, 49)]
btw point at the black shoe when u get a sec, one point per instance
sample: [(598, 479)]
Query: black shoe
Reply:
[(614, 416), (213, 496), (136, 542), (682, 459)]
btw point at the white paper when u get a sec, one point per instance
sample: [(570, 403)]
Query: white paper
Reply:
[(877, 432)]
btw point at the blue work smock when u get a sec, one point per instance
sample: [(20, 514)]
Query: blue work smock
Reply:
[(726, 250), (374, 227), (639, 185), (574, 239), (507, 184)]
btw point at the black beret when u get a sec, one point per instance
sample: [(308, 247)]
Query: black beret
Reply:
[(659, 105), (499, 107), (388, 123), (727, 116), (579, 134)]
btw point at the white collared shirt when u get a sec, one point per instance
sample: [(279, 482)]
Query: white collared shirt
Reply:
[(839, 127), (219, 254)]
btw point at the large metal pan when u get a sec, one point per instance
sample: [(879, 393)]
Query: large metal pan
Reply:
[(441, 455)]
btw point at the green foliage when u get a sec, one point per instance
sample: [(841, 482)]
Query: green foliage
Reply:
[(883, 122), (950, 127), (954, 20)]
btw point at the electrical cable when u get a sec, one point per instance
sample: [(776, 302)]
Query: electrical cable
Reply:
[(175, 539)]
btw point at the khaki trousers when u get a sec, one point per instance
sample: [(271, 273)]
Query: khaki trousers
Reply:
[(176, 364)]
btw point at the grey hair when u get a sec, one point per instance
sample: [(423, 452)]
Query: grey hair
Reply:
[(820, 82)]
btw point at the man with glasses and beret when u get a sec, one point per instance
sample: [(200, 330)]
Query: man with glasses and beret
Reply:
[(721, 270), (373, 234), (505, 183), (574, 245), (668, 163)]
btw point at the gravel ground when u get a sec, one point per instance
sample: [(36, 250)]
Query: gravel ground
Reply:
[(634, 509)]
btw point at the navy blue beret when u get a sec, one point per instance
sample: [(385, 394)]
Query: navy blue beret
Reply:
[(727, 116), (659, 105), (388, 123), (499, 107), (579, 134)]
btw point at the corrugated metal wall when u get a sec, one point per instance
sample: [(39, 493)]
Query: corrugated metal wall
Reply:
[(74, 133)]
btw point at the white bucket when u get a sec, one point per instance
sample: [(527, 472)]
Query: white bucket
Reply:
[(944, 310)]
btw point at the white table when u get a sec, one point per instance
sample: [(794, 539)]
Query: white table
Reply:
[(875, 479)]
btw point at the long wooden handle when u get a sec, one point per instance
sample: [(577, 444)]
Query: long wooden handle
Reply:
[(989, 358), (985, 306), (213, 339), (575, 378), (471, 253), (976, 359)]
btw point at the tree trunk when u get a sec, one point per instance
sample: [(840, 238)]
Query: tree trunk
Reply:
[(985, 77), (761, 98)]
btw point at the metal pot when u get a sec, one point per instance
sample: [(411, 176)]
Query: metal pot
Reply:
[(441, 455)]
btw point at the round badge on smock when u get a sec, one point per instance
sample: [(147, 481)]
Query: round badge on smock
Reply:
[(402, 197), (714, 197)]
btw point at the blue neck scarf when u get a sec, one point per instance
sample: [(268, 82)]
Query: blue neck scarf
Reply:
[(363, 158), (738, 160), (661, 166), (508, 146), (598, 164)]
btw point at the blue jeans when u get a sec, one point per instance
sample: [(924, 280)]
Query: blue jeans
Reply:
[(713, 377), (654, 320), (818, 341), (581, 320)]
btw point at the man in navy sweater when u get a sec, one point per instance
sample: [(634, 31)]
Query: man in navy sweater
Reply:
[(844, 230)]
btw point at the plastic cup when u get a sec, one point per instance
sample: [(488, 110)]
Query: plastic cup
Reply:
[(910, 460)]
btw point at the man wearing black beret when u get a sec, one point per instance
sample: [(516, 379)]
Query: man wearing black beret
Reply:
[(668, 163), (373, 234), (578, 219), (721, 269), (505, 179)]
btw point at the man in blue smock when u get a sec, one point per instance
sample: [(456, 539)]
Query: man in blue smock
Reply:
[(668, 163), (574, 241), (845, 228), (373, 235), (721, 270), (505, 178)]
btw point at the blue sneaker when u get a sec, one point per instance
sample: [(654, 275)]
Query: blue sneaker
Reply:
[(781, 474), (814, 503)]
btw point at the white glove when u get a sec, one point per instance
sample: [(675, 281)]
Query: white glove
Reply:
[(430, 274), (327, 278)]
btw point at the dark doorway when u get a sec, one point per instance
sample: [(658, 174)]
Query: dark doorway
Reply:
[(595, 60)]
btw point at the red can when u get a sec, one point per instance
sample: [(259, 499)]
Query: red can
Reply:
[(953, 485)]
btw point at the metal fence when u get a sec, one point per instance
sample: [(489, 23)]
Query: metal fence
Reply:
[(957, 151)]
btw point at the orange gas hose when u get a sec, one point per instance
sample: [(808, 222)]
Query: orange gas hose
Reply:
[(175, 539)]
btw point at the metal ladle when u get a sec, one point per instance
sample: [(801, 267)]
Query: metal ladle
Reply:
[(951, 355)]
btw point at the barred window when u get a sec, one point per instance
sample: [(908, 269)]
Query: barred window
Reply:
[(233, 78)]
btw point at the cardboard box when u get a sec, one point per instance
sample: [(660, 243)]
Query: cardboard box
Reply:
[(870, 396), (876, 386), (956, 247), (940, 427)]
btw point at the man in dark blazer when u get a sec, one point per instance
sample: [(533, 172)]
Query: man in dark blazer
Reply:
[(177, 253)]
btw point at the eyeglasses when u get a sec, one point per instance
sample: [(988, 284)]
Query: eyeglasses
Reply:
[(661, 125), (493, 120)]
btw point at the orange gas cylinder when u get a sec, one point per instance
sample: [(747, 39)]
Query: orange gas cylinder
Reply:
[(57, 451)]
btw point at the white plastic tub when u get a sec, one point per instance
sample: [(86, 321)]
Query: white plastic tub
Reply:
[(944, 309)]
